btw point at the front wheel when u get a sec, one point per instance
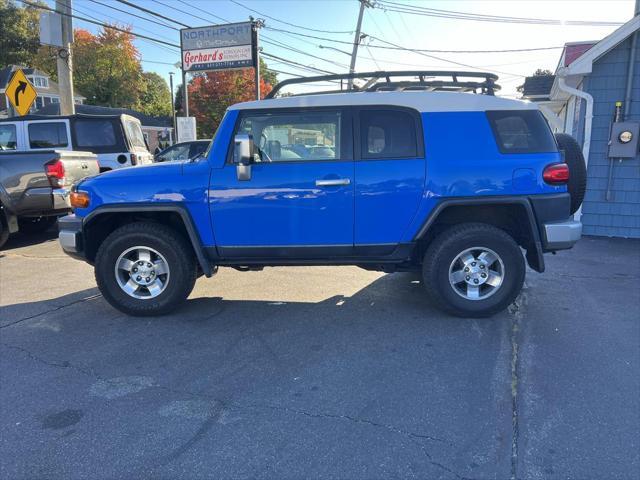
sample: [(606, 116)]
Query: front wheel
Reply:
[(145, 269), (473, 270)]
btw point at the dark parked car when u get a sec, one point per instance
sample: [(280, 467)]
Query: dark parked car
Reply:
[(182, 151)]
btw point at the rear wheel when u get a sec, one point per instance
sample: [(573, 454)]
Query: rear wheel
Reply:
[(35, 225), (473, 270), (145, 269)]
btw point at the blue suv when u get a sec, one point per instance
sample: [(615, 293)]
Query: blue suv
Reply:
[(394, 176)]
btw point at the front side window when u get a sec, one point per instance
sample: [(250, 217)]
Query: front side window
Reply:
[(521, 131), (8, 137), (388, 134), (48, 135), (94, 133), (294, 137)]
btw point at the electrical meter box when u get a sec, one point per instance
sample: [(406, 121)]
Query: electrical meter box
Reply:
[(624, 140)]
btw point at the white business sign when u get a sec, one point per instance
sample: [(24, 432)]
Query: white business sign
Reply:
[(218, 47), (186, 129)]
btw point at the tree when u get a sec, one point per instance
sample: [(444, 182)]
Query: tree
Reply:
[(107, 68), (156, 98), (211, 93), (19, 34), (538, 73)]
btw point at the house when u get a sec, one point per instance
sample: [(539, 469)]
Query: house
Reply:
[(580, 99), (46, 89), (157, 130)]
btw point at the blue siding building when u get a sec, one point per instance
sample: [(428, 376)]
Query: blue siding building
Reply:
[(598, 73)]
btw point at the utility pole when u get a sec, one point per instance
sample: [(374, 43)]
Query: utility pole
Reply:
[(64, 60), (173, 109), (356, 41), (185, 91), (256, 25)]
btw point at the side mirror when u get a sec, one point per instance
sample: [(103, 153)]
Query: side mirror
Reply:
[(243, 150), (243, 155)]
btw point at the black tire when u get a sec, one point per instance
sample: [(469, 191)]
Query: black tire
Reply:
[(4, 227), (445, 249), (35, 225), (164, 240), (573, 157)]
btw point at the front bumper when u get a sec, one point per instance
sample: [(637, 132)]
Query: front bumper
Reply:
[(561, 235), (70, 236)]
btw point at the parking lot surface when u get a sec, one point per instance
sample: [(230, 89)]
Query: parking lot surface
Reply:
[(321, 373)]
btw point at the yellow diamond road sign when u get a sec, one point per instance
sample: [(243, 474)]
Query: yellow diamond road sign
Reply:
[(21, 93)]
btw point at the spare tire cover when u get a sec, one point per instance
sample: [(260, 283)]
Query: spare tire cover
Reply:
[(573, 157)]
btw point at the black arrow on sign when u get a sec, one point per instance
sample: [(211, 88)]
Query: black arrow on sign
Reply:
[(22, 87)]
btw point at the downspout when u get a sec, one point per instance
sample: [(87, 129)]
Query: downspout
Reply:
[(632, 57), (588, 119)]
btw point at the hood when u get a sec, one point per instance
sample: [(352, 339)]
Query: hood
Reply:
[(152, 169)]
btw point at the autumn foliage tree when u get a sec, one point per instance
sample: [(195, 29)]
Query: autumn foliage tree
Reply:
[(107, 68), (211, 93)]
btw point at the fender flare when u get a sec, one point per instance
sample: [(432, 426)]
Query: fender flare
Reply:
[(535, 257), (180, 209)]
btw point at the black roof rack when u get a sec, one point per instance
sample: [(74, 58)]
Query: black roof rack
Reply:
[(429, 80)]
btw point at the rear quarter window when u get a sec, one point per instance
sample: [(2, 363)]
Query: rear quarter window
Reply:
[(521, 131), (95, 133), (48, 135)]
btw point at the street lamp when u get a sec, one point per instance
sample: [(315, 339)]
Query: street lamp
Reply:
[(173, 111)]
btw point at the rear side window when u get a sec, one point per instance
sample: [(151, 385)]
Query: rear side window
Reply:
[(48, 135), (94, 133), (387, 134), (8, 137), (521, 131), (134, 134)]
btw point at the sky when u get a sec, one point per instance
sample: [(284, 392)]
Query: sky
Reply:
[(403, 29)]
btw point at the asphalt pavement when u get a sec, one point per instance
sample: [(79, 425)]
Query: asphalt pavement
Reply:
[(323, 372)]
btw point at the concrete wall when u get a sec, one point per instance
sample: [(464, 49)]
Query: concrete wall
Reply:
[(621, 215)]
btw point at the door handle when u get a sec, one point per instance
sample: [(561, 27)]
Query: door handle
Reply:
[(333, 182)]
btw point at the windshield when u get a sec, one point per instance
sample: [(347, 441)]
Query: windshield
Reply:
[(134, 134)]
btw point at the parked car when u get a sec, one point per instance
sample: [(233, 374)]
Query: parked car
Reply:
[(35, 186), (182, 151), (453, 185), (117, 140)]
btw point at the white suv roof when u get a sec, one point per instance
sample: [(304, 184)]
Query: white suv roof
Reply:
[(418, 100)]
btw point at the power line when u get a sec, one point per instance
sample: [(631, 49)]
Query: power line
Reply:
[(101, 24), (191, 13), (439, 58), (302, 52), (90, 13), (451, 14), (151, 12), (298, 64), (288, 23), (146, 19), (417, 49)]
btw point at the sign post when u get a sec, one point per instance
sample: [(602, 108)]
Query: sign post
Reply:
[(20, 93)]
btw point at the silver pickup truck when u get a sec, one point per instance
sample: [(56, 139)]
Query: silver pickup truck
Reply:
[(35, 187)]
